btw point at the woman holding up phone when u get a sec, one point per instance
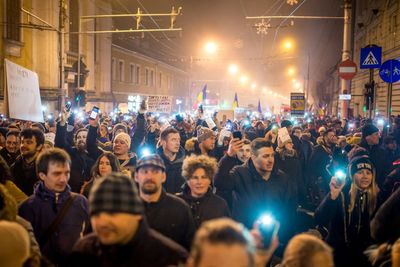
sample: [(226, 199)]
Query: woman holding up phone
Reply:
[(347, 211)]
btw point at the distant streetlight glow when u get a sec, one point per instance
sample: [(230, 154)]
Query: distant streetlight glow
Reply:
[(291, 71), (288, 44), (211, 47), (253, 86), (233, 69), (243, 79)]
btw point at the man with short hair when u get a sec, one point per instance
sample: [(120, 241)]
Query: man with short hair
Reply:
[(260, 188), (166, 213), (81, 163), (10, 152), (173, 155), (24, 170), (58, 217), (121, 235)]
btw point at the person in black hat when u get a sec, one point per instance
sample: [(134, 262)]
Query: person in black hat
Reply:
[(121, 235), (347, 211), (165, 212), (370, 141)]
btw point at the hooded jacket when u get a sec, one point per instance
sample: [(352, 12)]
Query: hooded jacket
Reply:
[(41, 209), (174, 182)]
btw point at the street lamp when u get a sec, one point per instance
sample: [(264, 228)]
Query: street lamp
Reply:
[(243, 79), (291, 71), (211, 47), (233, 69)]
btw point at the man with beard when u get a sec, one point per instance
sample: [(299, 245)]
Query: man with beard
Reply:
[(239, 152), (24, 170), (81, 163), (166, 213), (11, 151), (173, 155)]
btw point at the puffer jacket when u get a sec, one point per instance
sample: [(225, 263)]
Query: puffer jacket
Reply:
[(174, 182), (41, 209)]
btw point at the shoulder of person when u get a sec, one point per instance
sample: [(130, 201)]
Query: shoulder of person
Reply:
[(86, 244), (176, 200)]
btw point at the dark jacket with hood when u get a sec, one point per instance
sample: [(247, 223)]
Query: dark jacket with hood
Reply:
[(41, 209), (81, 163), (206, 207), (147, 248), (349, 233), (255, 196), (173, 169), (24, 175)]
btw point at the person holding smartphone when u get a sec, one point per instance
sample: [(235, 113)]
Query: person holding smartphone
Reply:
[(347, 211)]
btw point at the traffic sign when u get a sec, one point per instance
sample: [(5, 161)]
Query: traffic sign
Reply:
[(345, 97), (390, 71), (371, 57), (347, 69)]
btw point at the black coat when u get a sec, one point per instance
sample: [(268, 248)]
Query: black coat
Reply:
[(385, 225), (255, 196), (349, 233), (8, 157), (225, 166), (147, 248), (81, 163), (24, 176), (172, 217), (206, 207), (174, 182)]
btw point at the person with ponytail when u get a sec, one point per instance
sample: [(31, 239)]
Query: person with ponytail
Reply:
[(347, 210)]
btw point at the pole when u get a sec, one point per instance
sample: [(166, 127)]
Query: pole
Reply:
[(79, 56), (371, 81), (389, 101), (308, 81), (61, 40), (344, 85)]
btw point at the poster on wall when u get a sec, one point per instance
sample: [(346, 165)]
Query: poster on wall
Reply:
[(159, 103), (23, 94), (297, 104)]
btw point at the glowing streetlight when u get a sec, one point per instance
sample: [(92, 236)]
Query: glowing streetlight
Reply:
[(233, 69), (253, 86), (291, 71), (287, 44), (211, 47), (243, 79)]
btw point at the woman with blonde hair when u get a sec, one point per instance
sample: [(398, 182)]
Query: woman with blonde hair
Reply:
[(347, 212)]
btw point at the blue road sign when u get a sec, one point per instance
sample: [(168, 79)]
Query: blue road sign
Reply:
[(390, 71), (371, 57)]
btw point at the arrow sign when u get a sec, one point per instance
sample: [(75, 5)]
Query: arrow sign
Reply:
[(347, 69), (390, 71), (370, 57)]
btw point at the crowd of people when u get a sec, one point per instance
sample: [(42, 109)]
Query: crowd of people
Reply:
[(143, 190)]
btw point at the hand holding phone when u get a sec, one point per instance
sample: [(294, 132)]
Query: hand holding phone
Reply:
[(237, 134), (95, 112)]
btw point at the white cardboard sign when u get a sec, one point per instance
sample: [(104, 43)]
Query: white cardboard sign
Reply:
[(23, 93)]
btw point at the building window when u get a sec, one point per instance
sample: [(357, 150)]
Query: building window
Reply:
[(168, 82), (132, 71), (152, 78), (160, 79), (146, 73), (13, 15), (121, 70), (137, 74), (113, 69)]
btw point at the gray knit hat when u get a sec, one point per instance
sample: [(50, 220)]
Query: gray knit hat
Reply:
[(204, 133), (115, 193)]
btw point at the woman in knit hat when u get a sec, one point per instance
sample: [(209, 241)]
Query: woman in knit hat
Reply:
[(347, 211)]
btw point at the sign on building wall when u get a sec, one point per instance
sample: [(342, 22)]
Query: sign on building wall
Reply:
[(297, 104), (23, 94), (159, 103)]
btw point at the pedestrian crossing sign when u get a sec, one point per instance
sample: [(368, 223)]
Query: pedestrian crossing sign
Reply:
[(371, 57)]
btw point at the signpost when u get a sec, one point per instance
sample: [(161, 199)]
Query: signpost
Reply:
[(347, 69), (390, 73)]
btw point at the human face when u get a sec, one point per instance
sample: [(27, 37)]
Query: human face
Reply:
[(80, 140), (57, 176), (103, 131), (150, 179), (12, 144), (215, 255), (120, 147), (104, 166), (46, 147), (363, 178), (297, 133), (331, 138), (29, 147), (199, 183), (209, 143), (264, 159), (373, 139), (244, 153), (172, 143), (391, 146), (115, 228)]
